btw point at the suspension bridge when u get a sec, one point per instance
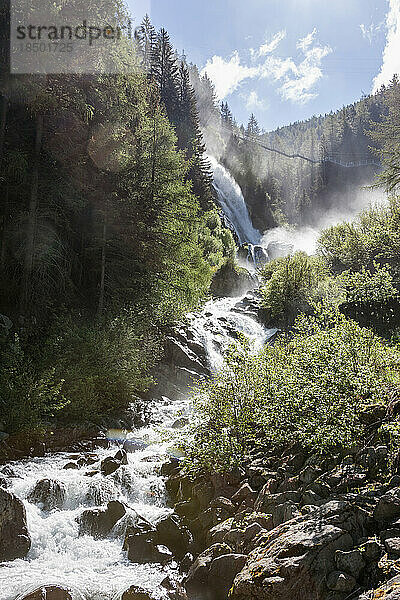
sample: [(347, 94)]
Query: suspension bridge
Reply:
[(334, 159)]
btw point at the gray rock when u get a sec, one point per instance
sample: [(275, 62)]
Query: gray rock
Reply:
[(341, 582), (109, 465), (392, 546), (52, 592), (222, 572), (121, 456), (14, 537), (99, 522), (351, 562), (173, 534), (48, 494), (197, 578), (143, 549), (388, 507), (295, 559), (138, 593)]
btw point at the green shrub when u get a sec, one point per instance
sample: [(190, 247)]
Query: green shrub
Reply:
[(103, 365), (28, 397), (308, 390), (374, 235), (292, 285)]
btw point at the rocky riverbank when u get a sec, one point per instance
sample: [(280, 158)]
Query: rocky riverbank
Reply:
[(292, 526)]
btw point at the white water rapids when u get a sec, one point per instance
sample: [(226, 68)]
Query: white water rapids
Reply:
[(99, 569)]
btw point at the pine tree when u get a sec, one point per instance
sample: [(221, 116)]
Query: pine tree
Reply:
[(253, 128), (164, 72), (146, 37)]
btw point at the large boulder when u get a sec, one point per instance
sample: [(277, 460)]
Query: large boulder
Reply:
[(173, 534), (48, 494), (388, 507), (295, 559), (222, 572), (14, 537), (143, 548), (99, 522), (232, 280), (196, 582)]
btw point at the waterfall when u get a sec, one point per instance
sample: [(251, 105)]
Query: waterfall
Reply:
[(233, 204)]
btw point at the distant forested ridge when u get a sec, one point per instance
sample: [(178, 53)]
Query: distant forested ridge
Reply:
[(282, 190)]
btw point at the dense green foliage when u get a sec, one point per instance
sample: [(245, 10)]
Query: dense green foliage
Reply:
[(307, 389), (107, 205), (292, 285)]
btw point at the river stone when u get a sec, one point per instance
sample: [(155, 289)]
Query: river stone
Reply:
[(109, 465), (138, 593), (173, 534), (392, 546), (142, 548), (14, 538), (99, 522), (49, 593), (294, 559), (341, 582), (48, 494)]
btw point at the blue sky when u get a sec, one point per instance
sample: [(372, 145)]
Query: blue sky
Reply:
[(285, 60)]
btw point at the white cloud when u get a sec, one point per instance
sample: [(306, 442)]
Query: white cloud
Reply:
[(369, 31), (269, 47), (227, 75), (253, 102), (306, 41), (391, 53), (296, 79)]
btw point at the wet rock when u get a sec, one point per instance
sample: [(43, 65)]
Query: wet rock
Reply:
[(223, 571), (231, 280), (49, 593), (99, 522), (133, 445), (180, 423), (121, 456), (387, 591), (173, 534), (294, 559), (142, 548), (188, 509), (14, 537), (48, 494), (138, 593), (186, 563), (341, 582), (169, 467), (109, 465), (388, 507), (71, 465), (217, 534), (371, 550)]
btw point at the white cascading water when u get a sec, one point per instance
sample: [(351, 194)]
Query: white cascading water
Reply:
[(98, 569), (233, 204)]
